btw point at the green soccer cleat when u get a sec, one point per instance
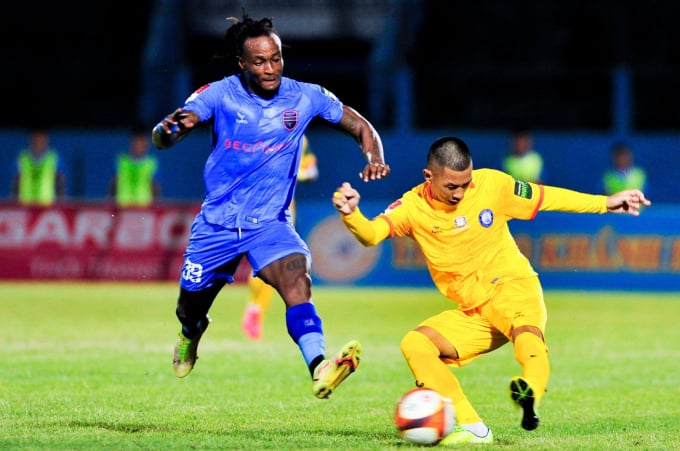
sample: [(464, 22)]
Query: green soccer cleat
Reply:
[(460, 435), (523, 395), (330, 373), (184, 357)]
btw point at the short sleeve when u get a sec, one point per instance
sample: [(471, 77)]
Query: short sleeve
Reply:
[(327, 105), (397, 216), (203, 101)]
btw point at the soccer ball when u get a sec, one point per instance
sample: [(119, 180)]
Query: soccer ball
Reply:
[(423, 416)]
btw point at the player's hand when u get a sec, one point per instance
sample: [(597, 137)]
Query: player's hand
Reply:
[(374, 171), (173, 128), (628, 201), (346, 199), (178, 120)]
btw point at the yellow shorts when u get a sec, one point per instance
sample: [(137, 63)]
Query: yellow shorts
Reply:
[(475, 332)]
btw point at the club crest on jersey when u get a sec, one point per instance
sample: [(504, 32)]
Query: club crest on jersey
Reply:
[(460, 222), (290, 119), (486, 217)]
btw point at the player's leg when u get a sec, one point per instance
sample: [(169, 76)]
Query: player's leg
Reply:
[(283, 261), (527, 390), (210, 261), (290, 277), (518, 309), (451, 338), (192, 312), (253, 316)]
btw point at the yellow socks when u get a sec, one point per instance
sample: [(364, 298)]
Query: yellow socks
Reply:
[(532, 354), (422, 357)]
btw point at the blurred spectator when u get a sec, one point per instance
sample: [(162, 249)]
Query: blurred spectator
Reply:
[(623, 173), (136, 180), (523, 162), (39, 178)]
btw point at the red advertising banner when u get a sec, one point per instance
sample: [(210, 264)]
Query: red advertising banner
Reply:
[(94, 241)]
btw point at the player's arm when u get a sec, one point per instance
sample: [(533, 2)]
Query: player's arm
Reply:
[(369, 141), (367, 232), (561, 199), (173, 128)]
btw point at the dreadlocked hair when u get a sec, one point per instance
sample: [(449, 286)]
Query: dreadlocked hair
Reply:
[(246, 28)]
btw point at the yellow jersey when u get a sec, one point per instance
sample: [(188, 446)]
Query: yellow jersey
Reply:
[(468, 247)]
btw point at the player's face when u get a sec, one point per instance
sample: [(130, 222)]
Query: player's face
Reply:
[(262, 64), (139, 145), (39, 141), (448, 185)]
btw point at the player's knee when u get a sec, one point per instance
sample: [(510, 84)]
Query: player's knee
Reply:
[(194, 305), (291, 278), (415, 342), (296, 290)]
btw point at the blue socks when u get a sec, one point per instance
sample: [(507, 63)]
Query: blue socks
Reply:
[(305, 328)]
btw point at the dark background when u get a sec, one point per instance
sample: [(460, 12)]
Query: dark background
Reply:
[(487, 64)]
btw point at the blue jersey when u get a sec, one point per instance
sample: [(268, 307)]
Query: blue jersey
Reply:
[(256, 146)]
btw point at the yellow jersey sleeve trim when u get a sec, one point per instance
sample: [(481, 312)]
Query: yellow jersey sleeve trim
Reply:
[(367, 232), (561, 199), (390, 224), (541, 196)]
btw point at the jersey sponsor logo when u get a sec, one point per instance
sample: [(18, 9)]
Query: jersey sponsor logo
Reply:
[(327, 93), (197, 92), (486, 217), (256, 147), (193, 272), (459, 225), (241, 118), (290, 119), (523, 189)]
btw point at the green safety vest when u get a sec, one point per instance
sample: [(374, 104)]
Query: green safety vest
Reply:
[(527, 168), (135, 180), (37, 178), (615, 181)]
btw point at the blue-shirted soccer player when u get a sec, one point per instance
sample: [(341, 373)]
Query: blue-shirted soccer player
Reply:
[(258, 120)]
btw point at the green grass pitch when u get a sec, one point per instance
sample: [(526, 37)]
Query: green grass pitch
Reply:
[(88, 366)]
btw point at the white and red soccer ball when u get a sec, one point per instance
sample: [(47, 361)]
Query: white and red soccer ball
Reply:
[(423, 416)]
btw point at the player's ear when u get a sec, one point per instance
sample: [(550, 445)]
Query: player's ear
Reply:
[(241, 63), (427, 174)]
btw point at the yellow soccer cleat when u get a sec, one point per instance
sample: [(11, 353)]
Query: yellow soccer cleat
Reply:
[(460, 435), (185, 355), (330, 373), (523, 395)]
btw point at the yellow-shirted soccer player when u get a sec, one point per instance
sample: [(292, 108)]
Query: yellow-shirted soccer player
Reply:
[(459, 217), (261, 294)]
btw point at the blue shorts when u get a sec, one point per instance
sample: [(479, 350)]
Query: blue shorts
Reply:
[(213, 252)]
